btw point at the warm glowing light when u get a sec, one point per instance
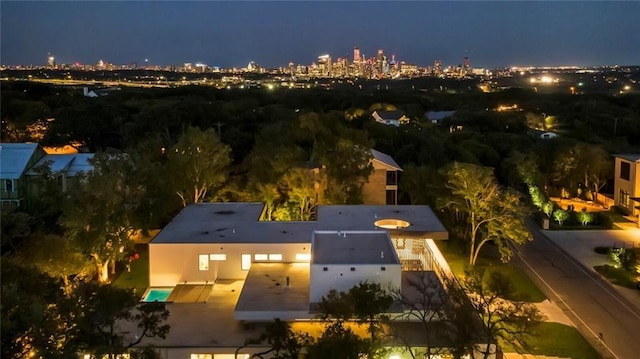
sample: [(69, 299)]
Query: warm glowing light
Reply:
[(391, 223), (303, 256)]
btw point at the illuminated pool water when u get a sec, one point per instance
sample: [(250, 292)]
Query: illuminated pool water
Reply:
[(157, 295)]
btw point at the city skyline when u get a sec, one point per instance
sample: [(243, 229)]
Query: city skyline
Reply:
[(225, 34)]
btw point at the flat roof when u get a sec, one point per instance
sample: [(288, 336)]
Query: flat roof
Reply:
[(265, 288), (350, 247), (422, 220), (236, 222)]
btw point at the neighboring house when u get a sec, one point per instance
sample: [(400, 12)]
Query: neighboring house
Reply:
[(19, 165), (97, 92), (15, 161), (394, 118), (545, 135), (626, 184), (436, 117), (230, 271), (65, 168), (382, 184)]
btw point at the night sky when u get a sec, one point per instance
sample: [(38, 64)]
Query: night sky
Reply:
[(270, 33)]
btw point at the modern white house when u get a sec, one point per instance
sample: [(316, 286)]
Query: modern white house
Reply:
[(221, 268)]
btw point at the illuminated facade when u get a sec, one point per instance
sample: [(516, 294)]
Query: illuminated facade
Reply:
[(627, 183)]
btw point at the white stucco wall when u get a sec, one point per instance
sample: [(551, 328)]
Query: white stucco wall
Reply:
[(171, 264), (341, 278)]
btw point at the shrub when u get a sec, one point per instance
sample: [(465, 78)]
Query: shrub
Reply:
[(560, 215), (602, 250), (547, 208), (585, 217)]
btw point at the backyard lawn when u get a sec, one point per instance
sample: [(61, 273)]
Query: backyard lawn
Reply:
[(138, 278), (523, 288)]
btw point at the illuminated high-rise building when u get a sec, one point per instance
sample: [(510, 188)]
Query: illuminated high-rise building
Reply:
[(467, 65), (324, 64), (356, 55), (379, 60), (51, 61), (437, 67)]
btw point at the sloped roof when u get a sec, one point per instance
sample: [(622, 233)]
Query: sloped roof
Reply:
[(385, 159), (71, 164), (629, 157), (390, 115), (439, 115), (14, 158)]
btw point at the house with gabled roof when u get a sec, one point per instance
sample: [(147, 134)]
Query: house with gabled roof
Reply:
[(382, 184), (15, 161), (394, 118), (20, 165)]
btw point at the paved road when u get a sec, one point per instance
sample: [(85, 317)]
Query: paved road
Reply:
[(597, 310)]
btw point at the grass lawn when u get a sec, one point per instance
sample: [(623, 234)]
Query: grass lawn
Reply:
[(618, 276), (523, 288), (138, 278), (554, 339)]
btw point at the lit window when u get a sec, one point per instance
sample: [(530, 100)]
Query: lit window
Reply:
[(203, 261), (303, 257), (201, 356), (275, 257), (261, 257), (218, 257), (245, 263)]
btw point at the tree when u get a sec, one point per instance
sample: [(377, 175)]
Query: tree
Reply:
[(491, 212), (283, 342), (419, 182), (507, 321), (59, 258), (15, 225), (365, 302), (111, 320), (583, 167), (31, 301), (98, 216), (198, 165), (426, 302), (299, 186)]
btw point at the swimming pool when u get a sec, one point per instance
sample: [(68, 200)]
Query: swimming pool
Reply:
[(157, 294)]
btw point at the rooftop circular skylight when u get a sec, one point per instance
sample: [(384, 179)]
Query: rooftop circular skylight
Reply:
[(391, 223)]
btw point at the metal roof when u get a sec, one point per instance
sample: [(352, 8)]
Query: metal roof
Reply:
[(71, 164), (14, 158), (629, 157), (385, 159)]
